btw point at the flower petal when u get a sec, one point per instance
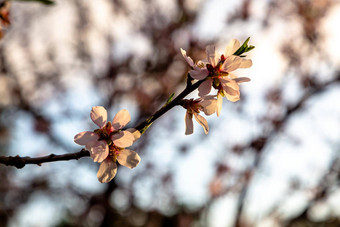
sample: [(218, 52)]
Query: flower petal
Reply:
[(246, 63), (232, 47), (198, 73), (123, 139), (189, 125), (232, 98), (107, 171), (203, 122), (230, 86), (231, 63), (136, 134), (84, 138), (241, 79), (209, 104), (211, 55), (205, 88), (187, 58), (128, 158), (99, 150), (121, 119), (99, 115), (219, 104)]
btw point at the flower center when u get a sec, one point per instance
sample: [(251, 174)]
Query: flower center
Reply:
[(114, 152), (105, 132)]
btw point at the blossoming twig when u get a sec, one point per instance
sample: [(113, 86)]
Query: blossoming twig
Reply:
[(107, 143)]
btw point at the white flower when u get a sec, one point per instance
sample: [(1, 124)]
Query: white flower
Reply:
[(197, 73), (207, 105), (107, 144)]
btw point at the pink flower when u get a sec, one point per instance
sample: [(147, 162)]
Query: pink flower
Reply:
[(220, 76), (107, 144), (207, 105), (198, 72)]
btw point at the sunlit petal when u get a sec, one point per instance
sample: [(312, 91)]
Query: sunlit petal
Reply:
[(123, 139), (187, 58), (219, 104), (232, 47), (99, 150), (121, 119), (230, 86), (128, 158), (189, 125), (242, 79), (84, 138), (246, 63), (198, 73), (232, 98), (107, 171), (203, 122), (205, 88), (209, 105), (136, 134), (99, 115), (211, 55), (231, 63)]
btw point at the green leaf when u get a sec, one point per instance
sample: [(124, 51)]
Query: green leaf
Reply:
[(170, 98), (46, 2), (244, 48)]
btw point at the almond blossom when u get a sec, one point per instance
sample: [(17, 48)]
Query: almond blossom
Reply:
[(216, 72), (107, 144), (207, 105)]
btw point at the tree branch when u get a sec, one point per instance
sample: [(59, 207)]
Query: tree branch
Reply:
[(20, 162)]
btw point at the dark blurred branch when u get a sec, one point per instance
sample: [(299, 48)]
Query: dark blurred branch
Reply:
[(20, 162)]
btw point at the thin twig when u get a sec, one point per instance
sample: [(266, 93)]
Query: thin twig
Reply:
[(20, 162)]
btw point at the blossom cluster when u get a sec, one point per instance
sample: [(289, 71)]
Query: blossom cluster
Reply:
[(215, 71), (107, 144)]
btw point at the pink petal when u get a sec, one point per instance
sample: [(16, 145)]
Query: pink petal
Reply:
[(203, 122), (84, 138), (211, 55), (128, 158), (219, 104), (232, 98), (198, 73), (241, 79), (232, 47), (107, 171), (187, 59), (189, 125), (99, 115), (121, 119), (209, 105), (136, 134), (205, 88), (99, 150), (123, 139), (245, 63), (230, 86), (231, 63)]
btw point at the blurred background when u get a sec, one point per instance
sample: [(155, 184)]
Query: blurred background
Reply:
[(271, 159)]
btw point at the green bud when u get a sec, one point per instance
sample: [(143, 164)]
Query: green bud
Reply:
[(244, 48)]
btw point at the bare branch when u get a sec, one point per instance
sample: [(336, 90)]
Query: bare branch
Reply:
[(20, 162)]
